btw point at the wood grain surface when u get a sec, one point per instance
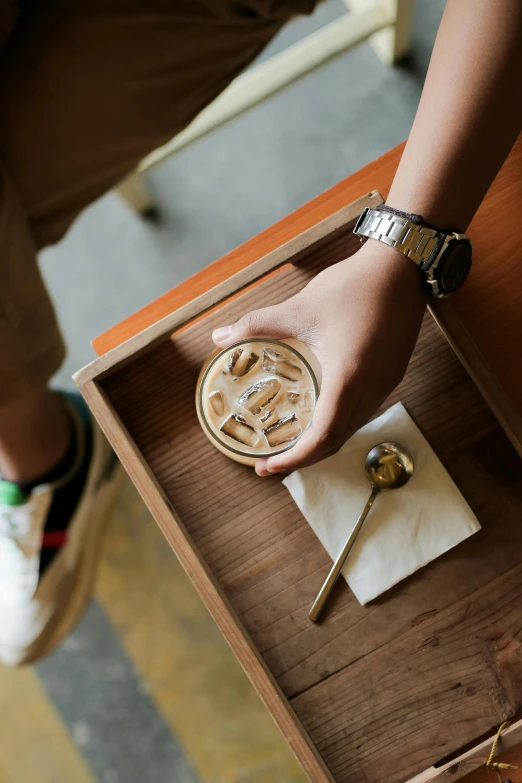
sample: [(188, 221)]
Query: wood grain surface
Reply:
[(207, 586), (386, 690), (472, 764), (488, 306)]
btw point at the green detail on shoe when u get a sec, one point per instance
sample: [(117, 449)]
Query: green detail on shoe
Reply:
[(11, 494)]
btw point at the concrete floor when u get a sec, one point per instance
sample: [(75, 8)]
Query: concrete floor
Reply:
[(146, 689)]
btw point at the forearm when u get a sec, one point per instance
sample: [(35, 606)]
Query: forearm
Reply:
[(469, 116)]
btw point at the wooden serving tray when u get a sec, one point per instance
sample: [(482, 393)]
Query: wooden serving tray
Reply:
[(396, 689)]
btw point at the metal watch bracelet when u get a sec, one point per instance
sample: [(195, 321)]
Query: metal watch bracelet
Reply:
[(418, 242)]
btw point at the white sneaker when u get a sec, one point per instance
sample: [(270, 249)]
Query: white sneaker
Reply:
[(50, 544)]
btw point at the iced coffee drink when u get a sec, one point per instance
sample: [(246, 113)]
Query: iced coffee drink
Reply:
[(257, 397)]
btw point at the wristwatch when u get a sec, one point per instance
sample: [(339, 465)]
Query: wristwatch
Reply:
[(444, 258)]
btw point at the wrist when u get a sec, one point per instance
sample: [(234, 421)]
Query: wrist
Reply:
[(393, 270), (430, 216)]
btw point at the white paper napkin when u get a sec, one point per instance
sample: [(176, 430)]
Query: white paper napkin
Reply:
[(406, 528)]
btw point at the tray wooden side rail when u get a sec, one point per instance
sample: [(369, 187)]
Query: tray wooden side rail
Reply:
[(382, 692)]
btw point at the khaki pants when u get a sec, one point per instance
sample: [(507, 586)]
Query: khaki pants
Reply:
[(87, 89)]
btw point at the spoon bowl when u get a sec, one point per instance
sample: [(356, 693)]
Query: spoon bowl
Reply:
[(388, 466)]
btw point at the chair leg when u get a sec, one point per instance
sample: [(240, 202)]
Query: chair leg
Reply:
[(391, 44), (385, 23), (134, 191)]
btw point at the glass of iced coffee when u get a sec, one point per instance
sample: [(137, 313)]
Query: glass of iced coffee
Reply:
[(257, 397)]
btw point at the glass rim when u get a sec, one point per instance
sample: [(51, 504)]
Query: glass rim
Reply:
[(212, 362)]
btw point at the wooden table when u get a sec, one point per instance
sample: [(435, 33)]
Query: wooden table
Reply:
[(468, 633)]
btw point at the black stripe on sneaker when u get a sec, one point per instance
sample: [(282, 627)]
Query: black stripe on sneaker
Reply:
[(66, 498)]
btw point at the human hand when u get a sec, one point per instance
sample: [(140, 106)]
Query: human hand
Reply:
[(361, 318)]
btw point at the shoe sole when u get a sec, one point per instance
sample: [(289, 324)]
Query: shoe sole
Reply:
[(77, 588)]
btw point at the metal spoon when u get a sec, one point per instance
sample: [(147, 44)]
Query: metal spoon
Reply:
[(388, 466)]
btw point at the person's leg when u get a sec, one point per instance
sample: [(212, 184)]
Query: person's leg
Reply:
[(86, 90), (34, 428), (34, 435), (31, 350)]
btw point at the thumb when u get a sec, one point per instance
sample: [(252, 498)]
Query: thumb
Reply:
[(276, 321), (318, 442), (329, 428)]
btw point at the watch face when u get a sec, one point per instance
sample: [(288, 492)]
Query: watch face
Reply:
[(454, 266)]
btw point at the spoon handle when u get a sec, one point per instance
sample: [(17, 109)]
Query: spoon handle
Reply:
[(332, 577)]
